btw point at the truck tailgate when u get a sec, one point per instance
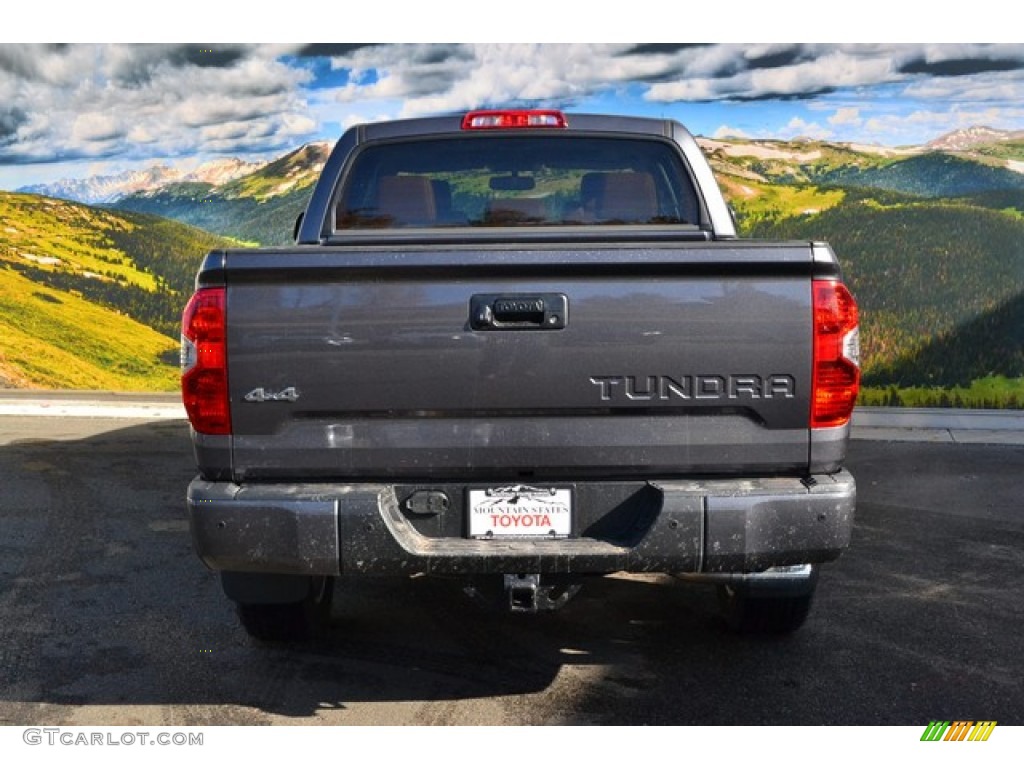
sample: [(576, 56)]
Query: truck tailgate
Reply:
[(444, 362)]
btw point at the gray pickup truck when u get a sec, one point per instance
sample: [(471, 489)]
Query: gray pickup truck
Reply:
[(519, 348)]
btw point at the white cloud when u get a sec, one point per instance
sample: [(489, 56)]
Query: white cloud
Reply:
[(727, 132), (293, 124), (800, 128), (809, 70), (140, 135), (990, 87), (910, 128), (141, 101), (96, 126), (846, 116), (148, 100), (435, 79)]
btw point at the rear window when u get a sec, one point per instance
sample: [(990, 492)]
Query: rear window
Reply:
[(509, 181)]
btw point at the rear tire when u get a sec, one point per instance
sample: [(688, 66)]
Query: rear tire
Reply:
[(753, 611), (297, 621)]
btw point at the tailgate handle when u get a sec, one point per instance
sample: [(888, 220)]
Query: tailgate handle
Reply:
[(527, 311)]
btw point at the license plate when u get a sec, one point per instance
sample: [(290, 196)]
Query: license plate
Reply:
[(522, 511)]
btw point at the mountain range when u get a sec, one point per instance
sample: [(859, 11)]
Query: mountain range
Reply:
[(298, 169), (979, 136), (259, 207), (257, 203), (931, 239), (96, 190), (960, 163)]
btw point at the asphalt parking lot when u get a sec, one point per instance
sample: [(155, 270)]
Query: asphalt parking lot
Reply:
[(107, 617)]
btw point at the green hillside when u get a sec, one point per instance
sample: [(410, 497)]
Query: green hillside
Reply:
[(939, 283), (932, 244), (295, 171), (1007, 201), (919, 269), (931, 175), (1012, 149), (90, 298), (259, 208), (55, 339), (982, 348), (246, 219), (788, 162)]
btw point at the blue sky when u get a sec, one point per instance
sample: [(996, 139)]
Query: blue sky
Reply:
[(98, 108)]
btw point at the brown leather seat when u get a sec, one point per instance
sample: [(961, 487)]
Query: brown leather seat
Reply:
[(407, 200), (628, 197)]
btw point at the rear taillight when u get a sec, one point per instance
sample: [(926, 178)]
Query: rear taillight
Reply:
[(836, 355), (483, 119), (204, 369)]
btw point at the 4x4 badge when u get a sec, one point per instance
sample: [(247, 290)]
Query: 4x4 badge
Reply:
[(261, 395)]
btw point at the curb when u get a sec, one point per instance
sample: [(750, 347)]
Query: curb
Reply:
[(939, 418), (939, 425), (95, 405)]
